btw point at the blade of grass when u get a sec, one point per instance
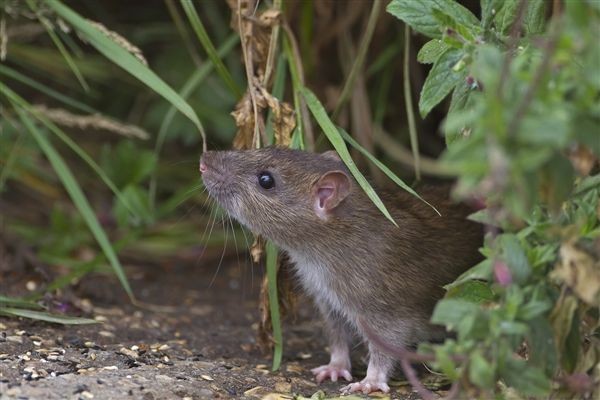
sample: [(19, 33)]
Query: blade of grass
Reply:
[(65, 53), (383, 167), (12, 96), (76, 194), (45, 316), (127, 61), (18, 303), (12, 156), (59, 45), (17, 76), (298, 136), (192, 83), (277, 92), (274, 304), (360, 58), (410, 112), (337, 141), (198, 27)]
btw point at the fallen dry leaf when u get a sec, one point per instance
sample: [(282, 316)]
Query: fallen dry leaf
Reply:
[(580, 271)]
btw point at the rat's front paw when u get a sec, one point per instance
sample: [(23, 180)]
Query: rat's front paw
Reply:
[(366, 386), (333, 371)]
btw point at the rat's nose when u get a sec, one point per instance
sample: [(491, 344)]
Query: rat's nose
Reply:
[(202, 167)]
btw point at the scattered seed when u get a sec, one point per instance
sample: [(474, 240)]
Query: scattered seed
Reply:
[(31, 286), (106, 334), (207, 377), (14, 339)]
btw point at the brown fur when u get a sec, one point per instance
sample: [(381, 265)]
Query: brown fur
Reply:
[(390, 277)]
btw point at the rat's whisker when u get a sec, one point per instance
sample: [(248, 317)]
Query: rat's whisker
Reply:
[(222, 253)]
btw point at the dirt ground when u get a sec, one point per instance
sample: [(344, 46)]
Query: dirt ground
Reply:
[(203, 346)]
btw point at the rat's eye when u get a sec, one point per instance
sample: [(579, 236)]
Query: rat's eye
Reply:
[(266, 180)]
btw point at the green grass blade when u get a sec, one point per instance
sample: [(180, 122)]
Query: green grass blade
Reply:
[(279, 80), (17, 303), (17, 76), (65, 53), (125, 60), (13, 97), (337, 141), (76, 194), (198, 27), (360, 57), (45, 316), (298, 136), (274, 304), (390, 174), (192, 83), (410, 112)]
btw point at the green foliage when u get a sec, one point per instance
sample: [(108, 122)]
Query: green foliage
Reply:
[(525, 94)]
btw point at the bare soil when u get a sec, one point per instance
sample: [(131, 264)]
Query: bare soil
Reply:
[(202, 346)]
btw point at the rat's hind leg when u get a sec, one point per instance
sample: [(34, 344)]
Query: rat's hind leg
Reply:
[(339, 333), (378, 372)]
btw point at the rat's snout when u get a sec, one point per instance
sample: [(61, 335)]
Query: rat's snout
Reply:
[(205, 161), (202, 167)]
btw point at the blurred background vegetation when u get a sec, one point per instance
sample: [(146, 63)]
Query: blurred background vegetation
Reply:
[(104, 104)]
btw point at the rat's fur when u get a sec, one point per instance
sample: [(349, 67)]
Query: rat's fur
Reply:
[(355, 263)]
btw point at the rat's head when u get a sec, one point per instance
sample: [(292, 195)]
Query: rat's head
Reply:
[(278, 192)]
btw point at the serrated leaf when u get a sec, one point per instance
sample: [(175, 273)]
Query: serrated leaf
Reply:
[(506, 15), (440, 81), (431, 51), (473, 291), (483, 270), (535, 18), (419, 16)]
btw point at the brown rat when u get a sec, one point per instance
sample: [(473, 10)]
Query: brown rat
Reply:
[(359, 268)]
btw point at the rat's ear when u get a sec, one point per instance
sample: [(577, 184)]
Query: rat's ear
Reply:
[(329, 191), (331, 154)]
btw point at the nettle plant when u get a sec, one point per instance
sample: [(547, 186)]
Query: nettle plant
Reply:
[(523, 135)]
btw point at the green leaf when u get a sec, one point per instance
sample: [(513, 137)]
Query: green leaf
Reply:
[(76, 194), (13, 97), (13, 74), (440, 81), (419, 14), (483, 271), (472, 290), (196, 23), (515, 257), (535, 18), (271, 265), (45, 316), (527, 379), (451, 312), (481, 372), (125, 60), (389, 173), (489, 9), (431, 51), (505, 16), (337, 141), (18, 303), (541, 345)]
